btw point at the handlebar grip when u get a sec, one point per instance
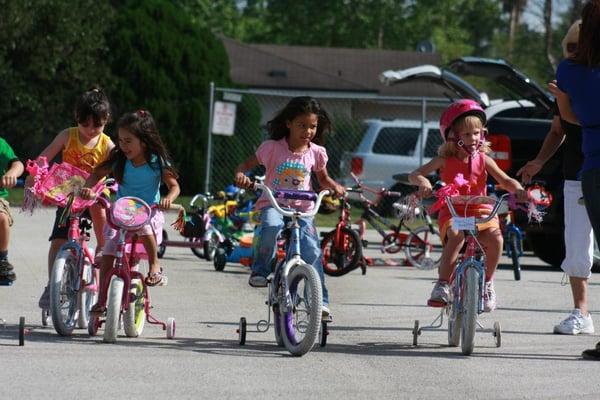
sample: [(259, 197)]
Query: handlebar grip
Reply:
[(295, 195)]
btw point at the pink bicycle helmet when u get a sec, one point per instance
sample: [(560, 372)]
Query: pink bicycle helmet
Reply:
[(460, 108)]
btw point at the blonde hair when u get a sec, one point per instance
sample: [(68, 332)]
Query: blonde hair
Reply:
[(572, 36), (450, 148)]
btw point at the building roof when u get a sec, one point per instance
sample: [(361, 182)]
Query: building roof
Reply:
[(325, 68)]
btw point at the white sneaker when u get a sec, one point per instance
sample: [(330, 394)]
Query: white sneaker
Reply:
[(325, 313), (489, 297), (257, 280), (440, 292), (575, 324)]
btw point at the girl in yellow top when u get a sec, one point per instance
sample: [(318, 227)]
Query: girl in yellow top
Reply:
[(84, 146)]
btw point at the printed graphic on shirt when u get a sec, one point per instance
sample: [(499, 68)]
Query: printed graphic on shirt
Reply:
[(290, 175)]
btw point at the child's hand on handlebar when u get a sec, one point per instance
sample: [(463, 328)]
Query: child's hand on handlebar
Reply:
[(338, 190), (242, 181), (165, 203), (87, 193), (522, 196), (425, 191)]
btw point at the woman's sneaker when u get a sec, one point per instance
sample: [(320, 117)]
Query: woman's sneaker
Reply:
[(575, 324)]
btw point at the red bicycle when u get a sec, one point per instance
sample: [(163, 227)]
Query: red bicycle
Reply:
[(342, 247)]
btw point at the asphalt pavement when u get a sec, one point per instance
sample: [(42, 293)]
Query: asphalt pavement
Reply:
[(369, 353)]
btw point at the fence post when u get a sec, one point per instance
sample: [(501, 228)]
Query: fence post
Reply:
[(209, 140), (422, 137)]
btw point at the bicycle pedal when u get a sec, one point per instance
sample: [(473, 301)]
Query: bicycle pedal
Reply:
[(365, 243), (436, 303)]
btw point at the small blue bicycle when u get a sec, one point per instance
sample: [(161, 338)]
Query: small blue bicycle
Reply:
[(295, 294)]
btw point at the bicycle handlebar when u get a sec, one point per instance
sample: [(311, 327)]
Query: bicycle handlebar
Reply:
[(497, 203), (292, 195)]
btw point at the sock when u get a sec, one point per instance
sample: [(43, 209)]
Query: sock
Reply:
[(4, 255)]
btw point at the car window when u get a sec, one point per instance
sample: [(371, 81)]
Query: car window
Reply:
[(434, 141), (398, 141)]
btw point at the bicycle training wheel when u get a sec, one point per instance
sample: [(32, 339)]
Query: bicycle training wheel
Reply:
[(339, 260), (64, 281), (300, 325), (423, 248)]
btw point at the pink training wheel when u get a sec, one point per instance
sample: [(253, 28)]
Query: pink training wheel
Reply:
[(130, 213)]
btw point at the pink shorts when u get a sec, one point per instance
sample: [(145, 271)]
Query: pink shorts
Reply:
[(154, 227)]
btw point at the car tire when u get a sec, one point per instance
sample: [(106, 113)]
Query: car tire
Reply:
[(548, 247)]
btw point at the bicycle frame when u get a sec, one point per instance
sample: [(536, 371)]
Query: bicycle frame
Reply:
[(77, 244)]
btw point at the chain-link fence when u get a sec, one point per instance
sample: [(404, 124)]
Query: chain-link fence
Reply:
[(401, 125)]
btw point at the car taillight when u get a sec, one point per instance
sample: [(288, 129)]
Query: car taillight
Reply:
[(356, 165), (501, 151)]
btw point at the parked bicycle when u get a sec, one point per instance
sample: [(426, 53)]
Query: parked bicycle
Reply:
[(421, 245), (295, 295), (342, 246)]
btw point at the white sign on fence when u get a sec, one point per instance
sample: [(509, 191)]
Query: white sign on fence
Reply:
[(224, 118)]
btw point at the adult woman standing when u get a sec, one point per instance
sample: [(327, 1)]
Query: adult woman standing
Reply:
[(579, 238), (579, 79)]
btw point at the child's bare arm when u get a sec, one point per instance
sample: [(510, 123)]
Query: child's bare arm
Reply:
[(51, 151), (97, 174), (240, 179), (10, 177), (326, 182), (174, 190), (419, 176)]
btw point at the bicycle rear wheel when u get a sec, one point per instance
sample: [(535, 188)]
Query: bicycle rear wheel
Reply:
[(339, 260), (470, 306), (423, 248), (300, 325), (64, 281)]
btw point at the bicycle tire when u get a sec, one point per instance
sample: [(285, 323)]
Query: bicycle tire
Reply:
[(196, 250), (113, 309), (392, 242), (470, 306), (161, 247), (513, 243), (416, 250), (63, 295), (209, 247), (289, 322), (277, 326), (135, 315), (332, 258), (87, 297)]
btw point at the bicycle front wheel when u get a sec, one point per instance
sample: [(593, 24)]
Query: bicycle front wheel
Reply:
[(423, 248), (113, 309), (344, 257), (470, 307), (87, 296), (513, 243), (300, 325), (64, 281)]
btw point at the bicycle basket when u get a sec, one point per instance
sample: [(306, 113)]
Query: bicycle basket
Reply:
[(130, 213)]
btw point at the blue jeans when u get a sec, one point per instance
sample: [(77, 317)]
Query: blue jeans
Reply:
[(271, 223), (590, 185)]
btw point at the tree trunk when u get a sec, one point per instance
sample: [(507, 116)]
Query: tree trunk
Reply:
[(514, 20), (548, 28)]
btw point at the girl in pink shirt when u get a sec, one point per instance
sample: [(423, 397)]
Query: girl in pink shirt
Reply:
[(464, 152), (295, 149)]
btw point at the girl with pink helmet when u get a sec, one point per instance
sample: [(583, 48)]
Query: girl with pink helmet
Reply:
[(462, 127)]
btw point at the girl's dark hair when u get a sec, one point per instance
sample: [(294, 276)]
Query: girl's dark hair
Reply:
[(299, 106), (588, 47), (93, 103), (140, 124)]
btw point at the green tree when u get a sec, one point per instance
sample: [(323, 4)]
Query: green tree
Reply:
[(50, 52), (164, 62)]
